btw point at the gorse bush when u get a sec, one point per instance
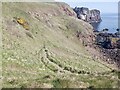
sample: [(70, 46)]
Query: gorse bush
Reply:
[(23, 22)]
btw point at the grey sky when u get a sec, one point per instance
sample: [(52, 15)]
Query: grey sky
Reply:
[(104, 7)]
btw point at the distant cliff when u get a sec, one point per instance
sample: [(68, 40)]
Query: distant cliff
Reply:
[(88, 15)]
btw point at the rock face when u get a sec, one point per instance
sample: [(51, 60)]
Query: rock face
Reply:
[(88, 15), (108, 40)]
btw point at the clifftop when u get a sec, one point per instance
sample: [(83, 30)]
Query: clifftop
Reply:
[(55, 50)]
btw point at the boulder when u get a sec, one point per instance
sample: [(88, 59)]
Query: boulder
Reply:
[(118, 44)]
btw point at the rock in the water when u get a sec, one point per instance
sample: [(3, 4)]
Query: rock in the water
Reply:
[(88, 15)]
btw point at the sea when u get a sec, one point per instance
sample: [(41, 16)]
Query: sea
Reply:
[(109, 21)]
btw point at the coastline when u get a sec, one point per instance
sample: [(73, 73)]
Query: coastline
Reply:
[(109, 21)]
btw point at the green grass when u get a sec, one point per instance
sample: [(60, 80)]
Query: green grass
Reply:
[(39, 57)]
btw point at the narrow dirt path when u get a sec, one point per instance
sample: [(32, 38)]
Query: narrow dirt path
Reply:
[(51, 64)]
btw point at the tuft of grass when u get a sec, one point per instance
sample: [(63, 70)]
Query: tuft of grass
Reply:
[(59, 83), (29, 34)]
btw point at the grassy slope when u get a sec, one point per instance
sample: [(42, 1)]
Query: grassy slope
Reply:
[(0, 45), (53, 57)]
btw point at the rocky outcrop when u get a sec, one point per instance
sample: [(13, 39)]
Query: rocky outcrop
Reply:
[(118, 43), (107, 47), (108, 40), (113, 56), (88, 15)]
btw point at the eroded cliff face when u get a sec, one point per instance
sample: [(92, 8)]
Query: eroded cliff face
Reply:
[(88, 15)]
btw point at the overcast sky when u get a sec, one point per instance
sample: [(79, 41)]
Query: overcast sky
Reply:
[(88, 0), (105, 6)]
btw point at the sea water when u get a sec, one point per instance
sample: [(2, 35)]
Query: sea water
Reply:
[(109, 21)]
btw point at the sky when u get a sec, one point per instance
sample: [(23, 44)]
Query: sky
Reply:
[(105, 6), (88, 0)]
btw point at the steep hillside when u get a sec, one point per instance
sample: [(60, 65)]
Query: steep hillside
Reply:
[(0, 58), (49, 53)]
